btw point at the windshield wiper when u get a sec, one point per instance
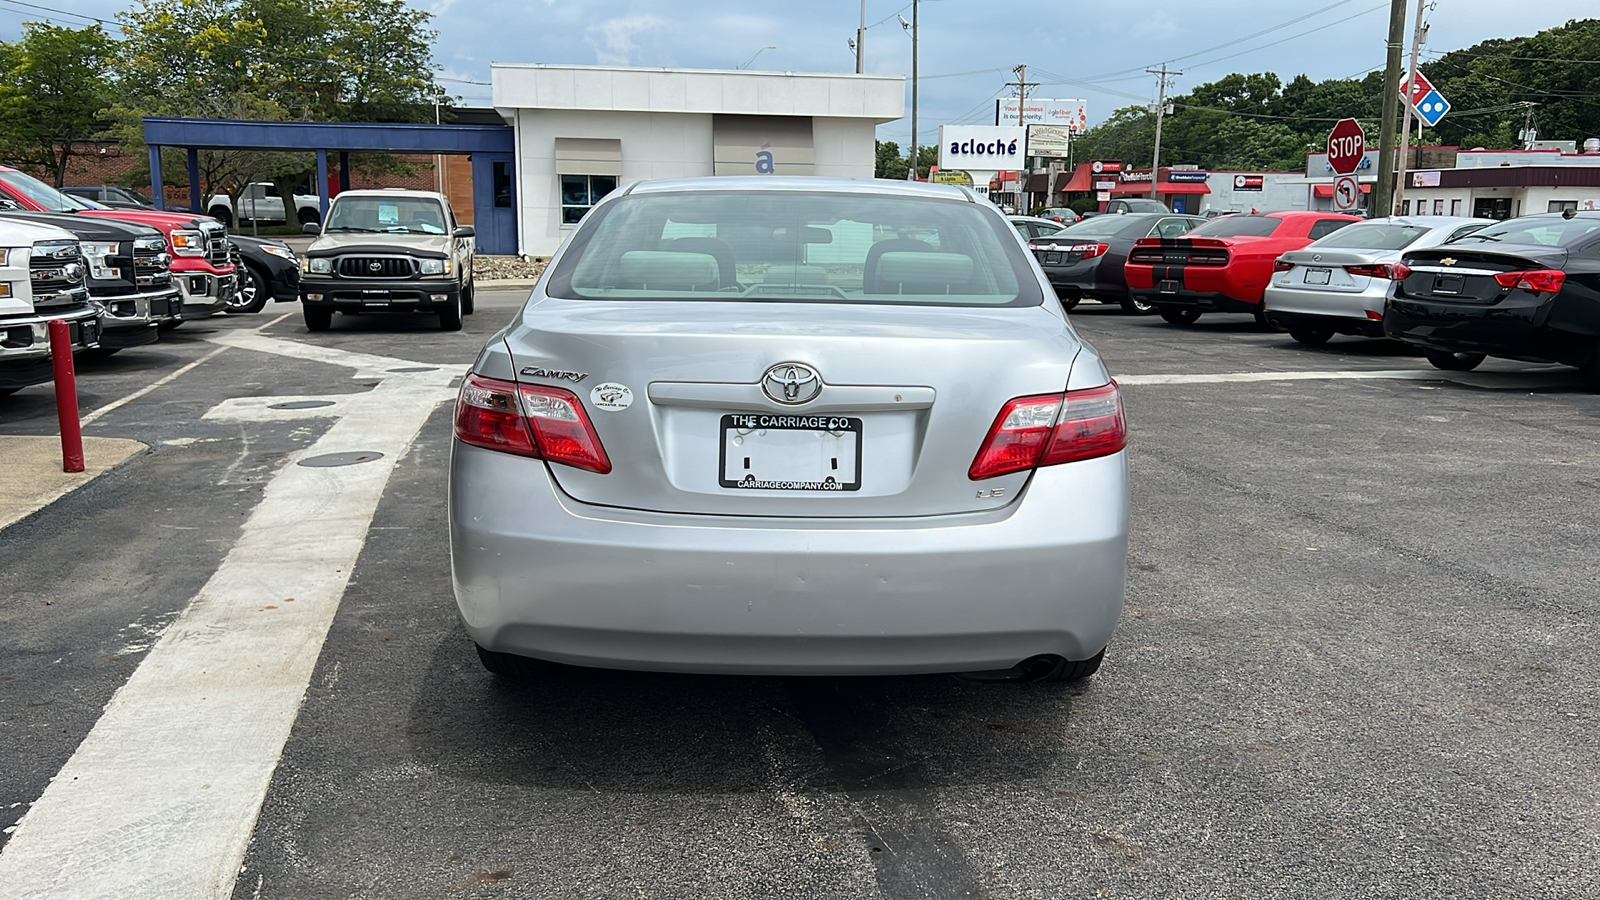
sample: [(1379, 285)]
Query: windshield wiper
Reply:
[(351, 228)]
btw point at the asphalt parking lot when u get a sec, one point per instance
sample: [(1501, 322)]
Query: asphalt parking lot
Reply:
[(1357, 660)]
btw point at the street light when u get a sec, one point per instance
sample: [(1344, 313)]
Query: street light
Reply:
[(911, 29), (756, 54)]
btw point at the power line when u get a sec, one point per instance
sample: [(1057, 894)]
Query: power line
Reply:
[(59, 12), (1231, 43), (1291, 37)]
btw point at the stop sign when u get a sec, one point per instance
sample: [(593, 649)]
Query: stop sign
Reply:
[(1347, 144)]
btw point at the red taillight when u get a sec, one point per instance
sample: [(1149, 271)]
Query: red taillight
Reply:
[(528, 420), (1051, 429), (1032, 246), (1543, 280), (1390, 271), (1281, 265), (1090, 251)]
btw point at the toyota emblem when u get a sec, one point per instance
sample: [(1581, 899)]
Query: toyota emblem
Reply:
[(791, 383), (375, 266)]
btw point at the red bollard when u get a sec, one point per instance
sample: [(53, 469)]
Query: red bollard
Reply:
[(66, 396)]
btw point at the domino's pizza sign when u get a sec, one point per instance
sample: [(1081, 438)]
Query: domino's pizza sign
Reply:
[(1432, 106)]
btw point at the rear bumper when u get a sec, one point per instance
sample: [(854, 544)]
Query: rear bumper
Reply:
[(1347, 313), (1083, 279), (1518, 327), (538, 574), (1218, 288), (1203, 301)]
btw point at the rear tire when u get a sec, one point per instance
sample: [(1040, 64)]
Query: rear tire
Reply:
[(1180, 316), (221, 214), (318, 319), (1311, 335), (450, 316), (1453, 362), (308, 216), (511, 666), (1135, 307), (1261, 319), (1069, 299)]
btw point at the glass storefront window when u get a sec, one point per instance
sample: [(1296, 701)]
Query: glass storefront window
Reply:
[(581, 192)]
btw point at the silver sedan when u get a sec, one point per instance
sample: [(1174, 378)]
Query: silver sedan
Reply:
[(1338, 283), (790, 426)]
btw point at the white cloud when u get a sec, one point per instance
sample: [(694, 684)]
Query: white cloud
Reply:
[(614, 40)]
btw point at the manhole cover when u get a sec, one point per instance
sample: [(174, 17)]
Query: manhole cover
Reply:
[(301, 404), (328, 460), (417, 369)]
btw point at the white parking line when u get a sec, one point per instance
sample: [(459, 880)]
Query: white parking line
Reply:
[(161, 798), (165, 379)]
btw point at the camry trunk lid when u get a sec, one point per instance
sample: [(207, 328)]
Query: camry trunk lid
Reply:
[(682, 394)]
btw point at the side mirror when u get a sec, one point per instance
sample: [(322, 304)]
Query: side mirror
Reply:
[(465, 231), (310, 228)]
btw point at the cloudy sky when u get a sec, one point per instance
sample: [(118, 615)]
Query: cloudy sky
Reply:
[(1096, 52)]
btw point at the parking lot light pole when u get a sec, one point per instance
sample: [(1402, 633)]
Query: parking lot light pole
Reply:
[(911, 28)]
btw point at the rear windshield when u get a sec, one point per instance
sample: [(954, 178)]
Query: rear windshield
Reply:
[(1373, 236), (795, 246), (1551, 231), (1238, 226)]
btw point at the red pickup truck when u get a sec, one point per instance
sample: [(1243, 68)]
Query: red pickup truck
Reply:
[(1222, 266), (201, 267)]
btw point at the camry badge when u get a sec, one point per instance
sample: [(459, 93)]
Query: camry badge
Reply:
[(1447, 261), (554, 374), (791, 383)]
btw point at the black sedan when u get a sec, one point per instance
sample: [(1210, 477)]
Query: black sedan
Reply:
[(1525, 289), (272, 272), (1084, 260)]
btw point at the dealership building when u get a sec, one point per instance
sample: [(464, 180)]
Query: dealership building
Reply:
[(580, 131)]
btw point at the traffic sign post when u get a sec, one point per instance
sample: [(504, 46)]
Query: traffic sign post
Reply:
[(1346, 193), (1347, 146)]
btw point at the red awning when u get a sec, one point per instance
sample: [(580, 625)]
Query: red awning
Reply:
[(1138, 188), (1326, 190), (1080, 181)]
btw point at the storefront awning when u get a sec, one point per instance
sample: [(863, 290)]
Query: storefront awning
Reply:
[(1080, 181), (1037, 182), (1133, 188), (1326, 190)]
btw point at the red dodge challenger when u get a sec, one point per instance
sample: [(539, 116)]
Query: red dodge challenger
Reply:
[(1222, 266)]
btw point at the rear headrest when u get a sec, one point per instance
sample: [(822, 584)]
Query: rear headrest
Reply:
[(669, 270), (923, 273)]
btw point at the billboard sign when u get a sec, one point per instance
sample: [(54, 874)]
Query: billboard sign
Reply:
[(1249, 182), (1053, 141), (1187, 176), (984, 148), (1070, 114)]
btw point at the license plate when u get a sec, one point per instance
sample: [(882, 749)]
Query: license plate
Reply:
[(774, 452), (1052, 259), (1168, 287), (1448, 284), (1318, 276)]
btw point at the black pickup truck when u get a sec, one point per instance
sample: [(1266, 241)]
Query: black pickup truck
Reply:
[(129, 275)]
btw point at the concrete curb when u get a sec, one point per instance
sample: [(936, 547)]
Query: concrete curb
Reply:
[(32, 478), (505, 284)]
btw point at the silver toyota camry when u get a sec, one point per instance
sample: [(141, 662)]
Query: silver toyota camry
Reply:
[(796, 426)]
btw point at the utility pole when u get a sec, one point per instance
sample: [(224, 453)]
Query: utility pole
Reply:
[(1383, 191), (1022, 84), (1161, 111), (1405, 130), (911, 171), (1529, 135), (861, 37)]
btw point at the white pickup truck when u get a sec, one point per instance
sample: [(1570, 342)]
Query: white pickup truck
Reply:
[(41, 278), (262, 202)]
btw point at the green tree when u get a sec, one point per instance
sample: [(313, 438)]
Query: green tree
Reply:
[(53, 87), (315, 60), (891, 163)]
